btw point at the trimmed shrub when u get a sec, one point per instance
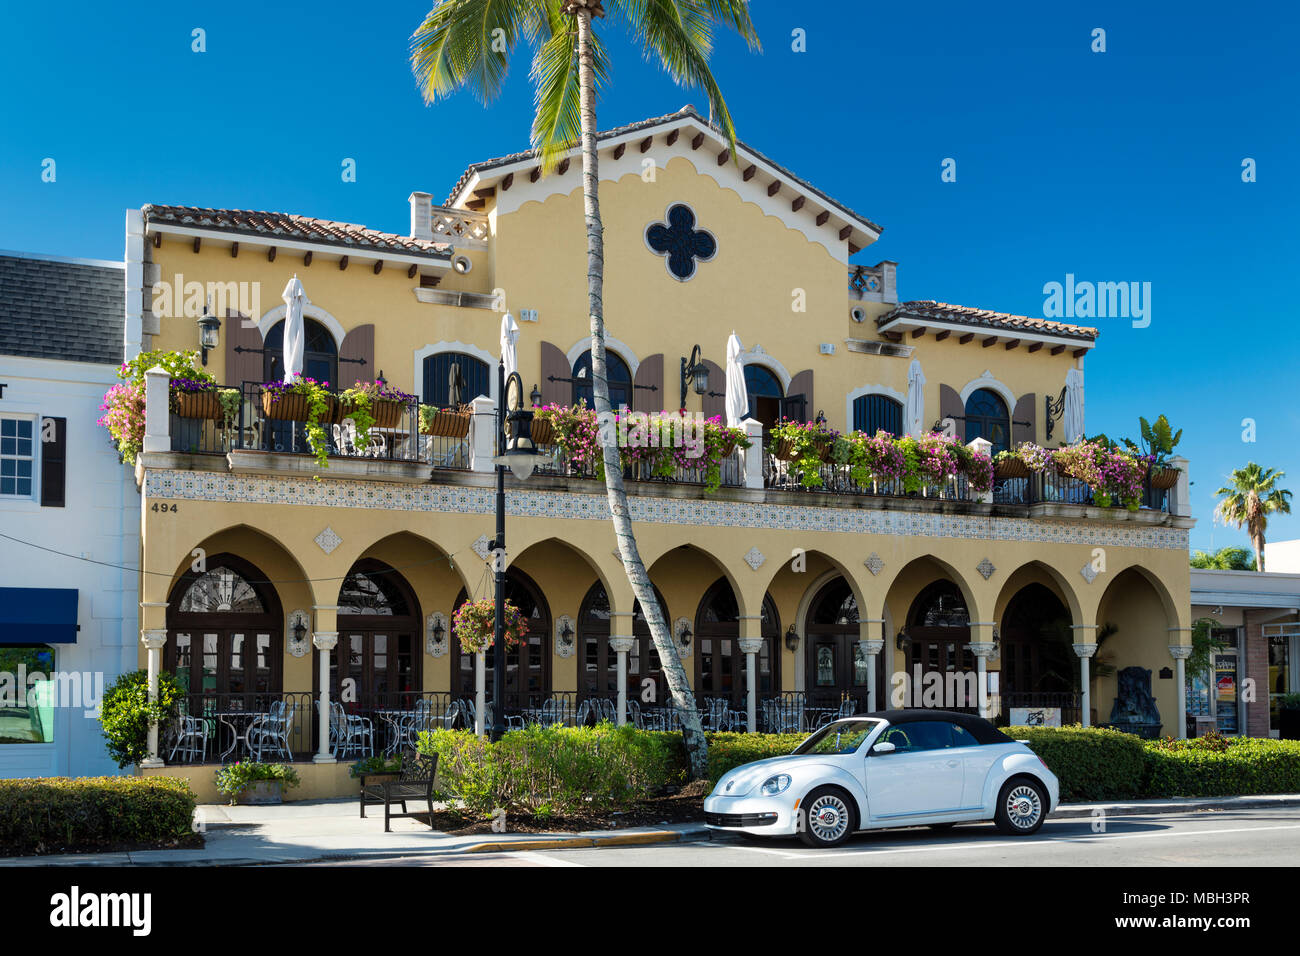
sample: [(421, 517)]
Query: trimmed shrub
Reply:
[(126, 712), (1092, 763), (63, 815), (1237, 766), (728, 751), (555, 770)]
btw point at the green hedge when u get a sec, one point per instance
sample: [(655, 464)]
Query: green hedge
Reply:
[(1239, 766), (1092, 763), (62, 815), (728, 751)]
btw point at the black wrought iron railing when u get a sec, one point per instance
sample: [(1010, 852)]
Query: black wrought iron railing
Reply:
[(555, 461), (222, 728)]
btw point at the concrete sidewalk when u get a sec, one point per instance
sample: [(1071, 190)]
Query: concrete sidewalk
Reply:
[(308, 831)]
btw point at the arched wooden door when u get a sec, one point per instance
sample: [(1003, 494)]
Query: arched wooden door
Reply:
[(224, 632), (834, 663), (528, 668), (376, 664), (721, 669), (598, 662), (938, 641)]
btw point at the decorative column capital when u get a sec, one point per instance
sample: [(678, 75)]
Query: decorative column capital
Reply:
[(872, 647), (750, 645), (981, 648), (1180, 652), (622, 645), (154, 640), (325, 640), (1085, 649)]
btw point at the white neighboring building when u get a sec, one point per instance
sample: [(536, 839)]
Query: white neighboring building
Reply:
[(60, 346), (1282, 556)]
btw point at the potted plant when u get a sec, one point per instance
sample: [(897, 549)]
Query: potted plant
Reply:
[(1158, 443), (376, 768), (203, 399), (372, 403), (123, 405), (806, 445), (302, 400), (574, 431), (1009, 464), (447, 422), (474, 624), (256, 783), (1288, 717)]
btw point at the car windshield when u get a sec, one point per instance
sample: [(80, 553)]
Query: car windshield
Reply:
[(840, 737)]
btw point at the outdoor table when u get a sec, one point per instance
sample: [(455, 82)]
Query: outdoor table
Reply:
[(233, 719), (397, 732), (813, 716)]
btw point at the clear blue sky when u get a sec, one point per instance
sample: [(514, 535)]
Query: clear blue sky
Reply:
[(1121, 166)]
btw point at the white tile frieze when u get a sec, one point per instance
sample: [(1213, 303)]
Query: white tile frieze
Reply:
[(253, 489)]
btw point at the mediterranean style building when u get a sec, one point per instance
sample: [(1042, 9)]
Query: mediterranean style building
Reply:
[(266, 577)]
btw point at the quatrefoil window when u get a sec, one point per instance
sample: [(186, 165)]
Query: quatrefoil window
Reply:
[(680, 242)]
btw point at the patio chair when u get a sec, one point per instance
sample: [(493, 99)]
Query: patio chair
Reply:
[(848, 707), (606, 709), (270, 733), (634, 715), (714, 714), (738, 720), (191, 739)]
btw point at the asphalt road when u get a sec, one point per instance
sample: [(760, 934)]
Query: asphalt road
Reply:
[(1264, 837)]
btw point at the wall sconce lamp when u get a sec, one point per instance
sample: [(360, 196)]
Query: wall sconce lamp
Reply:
[(437, 630), (209, 333), (791, 639), (299, 630), (901, 640), (566, 633), (694, 372), (536, 396), (684, 635)]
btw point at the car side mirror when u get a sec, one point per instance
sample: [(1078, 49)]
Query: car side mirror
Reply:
[(884, 747)]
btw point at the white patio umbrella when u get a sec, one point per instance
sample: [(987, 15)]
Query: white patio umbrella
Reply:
[(295, 331), (1073, 419), (509, 336), (737, 397), (915, 408)]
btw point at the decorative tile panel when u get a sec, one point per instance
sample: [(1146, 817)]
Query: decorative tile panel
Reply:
[(328, 540), (874, 563), (1089, 572), (985, 568), (755, 558)]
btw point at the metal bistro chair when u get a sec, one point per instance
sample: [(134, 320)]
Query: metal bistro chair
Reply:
[(191, 739), (606, 709), (555, 711), (848, 707), (354, 735), (738, 720), (634, 715), (715, 714), (270, 733)]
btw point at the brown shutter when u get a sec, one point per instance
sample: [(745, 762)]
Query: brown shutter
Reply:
[(359, 343), (1026, 411), (555, 365), (802, 384), (950, 406), (651, 372), (712, 404), (53, 462), (242, 366)]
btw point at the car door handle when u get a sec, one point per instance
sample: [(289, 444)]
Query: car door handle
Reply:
[(954, 763)]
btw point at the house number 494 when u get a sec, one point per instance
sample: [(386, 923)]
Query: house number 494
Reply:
[(164, 508)]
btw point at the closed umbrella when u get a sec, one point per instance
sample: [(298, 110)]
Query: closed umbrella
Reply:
[(455, 385), (1073, 406), (509, 336), (915, 408), (737, 397), (295, 331)]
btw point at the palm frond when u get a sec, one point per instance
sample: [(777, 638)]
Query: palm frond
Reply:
[(467, 43), (557, 122)]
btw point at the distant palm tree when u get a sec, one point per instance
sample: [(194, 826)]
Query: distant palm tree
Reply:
[(1225, 559), (1248, 499), (467, 43)]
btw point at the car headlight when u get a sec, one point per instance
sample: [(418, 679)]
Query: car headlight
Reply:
[(774, 785)]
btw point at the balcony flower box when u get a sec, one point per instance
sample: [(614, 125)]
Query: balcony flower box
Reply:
[(446, 422), (292, 407), (1010, 467), (372, 404), (1163, 479), (385, 412), (543, 431)]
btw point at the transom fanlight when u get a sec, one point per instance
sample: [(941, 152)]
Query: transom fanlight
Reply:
[(221, 591), (371, 593)]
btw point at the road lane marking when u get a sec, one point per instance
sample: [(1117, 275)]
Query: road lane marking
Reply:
[(542, 858)]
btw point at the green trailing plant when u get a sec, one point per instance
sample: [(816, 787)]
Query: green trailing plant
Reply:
[(378, 764), (124, 405), (126, 713), (233, 779), (318, 411), (358, 404), (807, 443)]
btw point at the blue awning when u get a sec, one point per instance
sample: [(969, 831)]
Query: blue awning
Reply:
[(38, 615)]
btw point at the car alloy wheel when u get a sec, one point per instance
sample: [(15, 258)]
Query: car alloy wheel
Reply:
[(1024, 807), (828, 818)]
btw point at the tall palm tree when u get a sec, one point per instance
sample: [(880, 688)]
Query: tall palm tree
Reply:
[(1248, 499), (467, 43)]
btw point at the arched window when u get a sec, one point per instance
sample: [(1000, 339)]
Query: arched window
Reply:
[(320, 357), (940, 605), (987, 417), (598, 663), (616, 373), (372, 591), (528, 670), (938, 642), (454, 378), (379, 647), (224, 636), (834, 661), (873, 413), (765, 394), (721, 669)]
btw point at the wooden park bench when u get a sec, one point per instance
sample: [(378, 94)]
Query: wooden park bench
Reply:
[(414, 782)]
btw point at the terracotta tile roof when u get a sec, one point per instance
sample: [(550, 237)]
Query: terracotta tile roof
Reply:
[(921, 310), (303, 228), (686, 111)]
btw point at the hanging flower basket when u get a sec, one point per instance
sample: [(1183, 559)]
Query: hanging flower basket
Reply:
[(386, 412), (543, 431), (1010, 468), (445, 422), (289, 407), (1163, 479), (206, 405), (783, 450), (474, 625)]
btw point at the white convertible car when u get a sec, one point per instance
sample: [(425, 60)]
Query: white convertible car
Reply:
[(898, 768)]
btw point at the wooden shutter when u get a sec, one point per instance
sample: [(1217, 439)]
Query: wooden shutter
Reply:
[(950, 406), (651, 372), (54, 462), (555, 364), (1026, 411), (242, 366), (713, 405), (802, 384), (359, 343)]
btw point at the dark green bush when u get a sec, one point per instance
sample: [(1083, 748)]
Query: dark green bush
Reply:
[(1092, 763), (62, 815), (728, 751), (127, 711), (1246, 765)]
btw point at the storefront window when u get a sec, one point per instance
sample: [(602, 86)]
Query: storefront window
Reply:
[(26, 695), (1280, 678)]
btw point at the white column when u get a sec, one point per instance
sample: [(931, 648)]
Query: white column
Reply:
[(1180, 653), (750, 648), (983, 650), (157, 410), (622, 645), (482, 433), (1085, 648), (325, 642), (154, 641), (1181, 505), (480, 693), (754, 454)]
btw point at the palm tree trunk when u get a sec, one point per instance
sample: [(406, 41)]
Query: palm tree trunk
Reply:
[(674, 672)]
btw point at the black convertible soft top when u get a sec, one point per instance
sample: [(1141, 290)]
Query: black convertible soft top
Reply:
[(983, 731)]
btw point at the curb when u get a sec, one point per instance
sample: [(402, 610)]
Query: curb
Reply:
[(1074, 811), (587, 842)]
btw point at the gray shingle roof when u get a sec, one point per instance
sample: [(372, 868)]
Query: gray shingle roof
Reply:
[(61, 309)]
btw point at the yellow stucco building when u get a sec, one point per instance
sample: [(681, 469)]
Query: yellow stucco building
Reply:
[(268, 578)]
